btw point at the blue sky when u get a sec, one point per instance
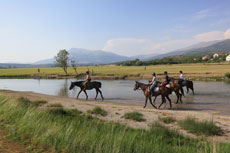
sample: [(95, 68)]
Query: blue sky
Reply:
[(32, 30)]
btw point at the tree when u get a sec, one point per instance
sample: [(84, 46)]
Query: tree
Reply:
[(74, 65), (62, 60)]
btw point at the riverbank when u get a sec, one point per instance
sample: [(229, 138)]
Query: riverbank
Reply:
[(117, 110), (205, 71)]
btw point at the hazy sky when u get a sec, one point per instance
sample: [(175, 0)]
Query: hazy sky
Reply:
[(32, 30)]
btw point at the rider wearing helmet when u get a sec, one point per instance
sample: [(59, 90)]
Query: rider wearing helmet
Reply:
[(166, 79), (153, 83)]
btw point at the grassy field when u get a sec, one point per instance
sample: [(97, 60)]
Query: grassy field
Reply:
[(61, 130), (191, 70)]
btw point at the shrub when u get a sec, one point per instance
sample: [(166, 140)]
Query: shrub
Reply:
[(200, 127), (136, 116), (227, 75), (167, 119), (98, 111), (55, 105), (38, 102)]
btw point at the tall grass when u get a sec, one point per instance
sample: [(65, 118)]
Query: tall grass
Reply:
[(200, 127), (61, 130), (136, 116)]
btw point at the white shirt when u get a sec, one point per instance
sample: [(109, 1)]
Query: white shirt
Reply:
[(182, 76)]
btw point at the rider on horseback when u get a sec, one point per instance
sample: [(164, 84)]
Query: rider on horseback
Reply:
[(153, 83), (181, 78), (88, 79), (166, 79)]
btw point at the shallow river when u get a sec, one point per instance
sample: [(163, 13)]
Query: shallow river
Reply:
[(208, 95)]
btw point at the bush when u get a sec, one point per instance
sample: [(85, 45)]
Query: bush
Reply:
[(39, 102), (227, 75), (136, 116), (55, 105), (167, 119), (200, 127), (98, 111)]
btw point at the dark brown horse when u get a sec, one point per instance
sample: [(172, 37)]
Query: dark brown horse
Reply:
[(186, 83), (163, 91), (172, 87), (90, 85)]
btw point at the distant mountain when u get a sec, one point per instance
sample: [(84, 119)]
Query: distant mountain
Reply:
[(219, 47), (84, 56), (198, 49), (19, 65)]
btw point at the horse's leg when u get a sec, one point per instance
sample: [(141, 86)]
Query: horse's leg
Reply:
[(169, 101), (182, 90), (155, 99), (163, 100), (96, 93), (86, 94), (150, 99), (101, 94), (79, 93), (146, 99), (192, 89), (187, 89), (178, 96)]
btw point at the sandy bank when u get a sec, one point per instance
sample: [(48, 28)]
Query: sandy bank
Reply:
[(117, 110)]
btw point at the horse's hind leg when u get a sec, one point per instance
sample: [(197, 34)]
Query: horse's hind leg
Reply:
[(86, 94), (180, 98), (169, 101), (187, 89), (150, 99), (96, 94), (146, 99), (101, 94)]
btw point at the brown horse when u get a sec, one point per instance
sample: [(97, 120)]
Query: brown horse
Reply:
[(163, 91), (186, 83), (172, 87), (90, 85)]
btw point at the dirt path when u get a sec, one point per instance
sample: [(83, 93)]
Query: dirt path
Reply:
[(117, 110), (9, 146)]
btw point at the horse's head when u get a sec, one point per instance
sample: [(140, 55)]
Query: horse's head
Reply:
[(71, 86), (136, 86)]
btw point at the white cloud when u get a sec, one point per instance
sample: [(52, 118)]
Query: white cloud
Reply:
[(133, 46), (210, 36), (227, 34)]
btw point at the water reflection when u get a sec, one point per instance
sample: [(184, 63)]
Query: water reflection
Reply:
[(63, 91)]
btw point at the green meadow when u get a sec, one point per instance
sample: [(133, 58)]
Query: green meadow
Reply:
[(190, 70)]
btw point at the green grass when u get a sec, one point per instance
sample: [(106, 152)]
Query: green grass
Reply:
[(136, 116), (200, 127), (39, 102), (98, 111), (192, 70), (58, 130), (55, 105), (167, 119)]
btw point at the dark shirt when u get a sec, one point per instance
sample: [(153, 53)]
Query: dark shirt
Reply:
[(167, 78)]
